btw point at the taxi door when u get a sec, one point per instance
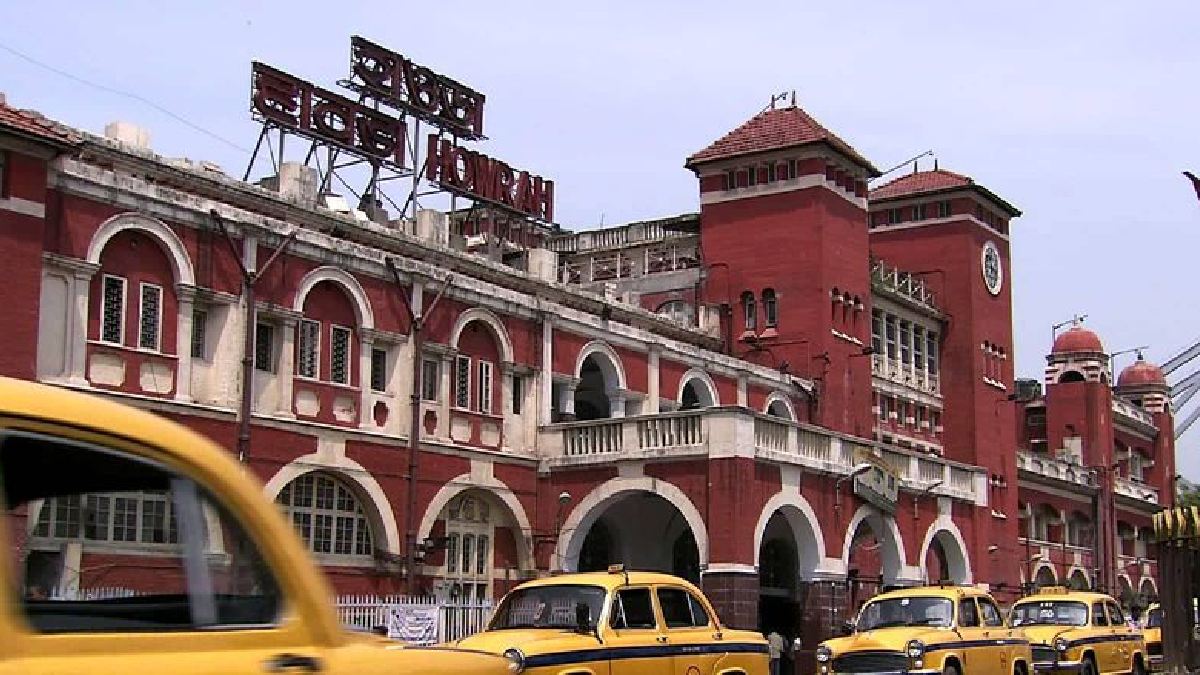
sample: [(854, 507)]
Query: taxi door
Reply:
[(637, 644), (976, 653), (1105, 647), (187, 603), (1125, 637), (691, 636), (994, 629)]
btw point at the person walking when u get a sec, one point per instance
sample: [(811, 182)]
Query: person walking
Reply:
[(775, 647)]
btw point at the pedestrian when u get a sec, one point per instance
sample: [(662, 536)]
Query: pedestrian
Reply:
[(775, 646)]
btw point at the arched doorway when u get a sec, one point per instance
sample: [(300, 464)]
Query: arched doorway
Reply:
[(873, 555), (778, 579), (1045, 577), (641, 530), (945, 558), (1078, 581)]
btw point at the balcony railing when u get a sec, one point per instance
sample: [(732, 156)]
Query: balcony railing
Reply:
[(732, 431), (1136, 490), (1050, 467), (895, 371), (901, 283)]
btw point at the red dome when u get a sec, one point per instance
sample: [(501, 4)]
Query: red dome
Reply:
[(1077, 339), (1141, 373)]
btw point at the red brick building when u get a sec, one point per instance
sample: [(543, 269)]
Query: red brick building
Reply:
[(713, 394)]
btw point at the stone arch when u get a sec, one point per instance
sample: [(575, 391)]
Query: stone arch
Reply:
[(1148, 589), (608, 360), (1045, 575), (358, 297), (379, 511), (891, 542), (170, 242), (1077, 579), (805, 527), (780, 405), (703, 386), (944, 532), (497, 489), (591, 507), (499, 332)]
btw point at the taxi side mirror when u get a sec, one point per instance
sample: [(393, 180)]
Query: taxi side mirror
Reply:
[(847, 628)]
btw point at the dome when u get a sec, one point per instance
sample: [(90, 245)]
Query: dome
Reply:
[(1142, 373), (1077, 339)]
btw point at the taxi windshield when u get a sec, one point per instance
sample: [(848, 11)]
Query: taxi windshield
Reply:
[(909, 611), (1050, 613), (1154, 618), (548, 607)]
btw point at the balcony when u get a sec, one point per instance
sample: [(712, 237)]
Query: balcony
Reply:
[(1136, 490), (732, 431), (1057, 469), (903, 286), (896, 372)]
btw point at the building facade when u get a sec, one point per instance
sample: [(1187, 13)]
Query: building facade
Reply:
[(797, 396)]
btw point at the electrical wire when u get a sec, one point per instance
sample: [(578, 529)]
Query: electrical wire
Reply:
[(125, 94)]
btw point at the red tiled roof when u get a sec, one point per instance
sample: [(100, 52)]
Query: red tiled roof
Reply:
[(921, 181), (773, 130), (35, 124)]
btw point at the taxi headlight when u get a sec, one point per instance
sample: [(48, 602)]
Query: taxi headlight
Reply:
[(1061, 645), (823, 654), (915, 649), (516, 661)]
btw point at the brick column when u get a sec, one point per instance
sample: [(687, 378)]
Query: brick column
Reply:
[(733, 591), (823, 608)]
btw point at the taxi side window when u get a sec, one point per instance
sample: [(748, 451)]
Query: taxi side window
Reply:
[(109, 542), (1098, 617), (634, 609), (991, 615), (1114, 614), (680, 609), (968, 615)]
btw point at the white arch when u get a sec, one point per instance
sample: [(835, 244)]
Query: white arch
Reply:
[(362, 304), (783, 400), (352, 472), (1148, 580), (805, 526), (1128, 584), (181, 263), (497, 489), (1044, 565), (493, 321), (1075, 569), (891, 542), (945, 532), (714, 397), (583, 516), (610, 364)]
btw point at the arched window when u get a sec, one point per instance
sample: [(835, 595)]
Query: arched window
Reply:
[(676, 310), (770, 310), (749, 310), (327, 514), (469, 547)]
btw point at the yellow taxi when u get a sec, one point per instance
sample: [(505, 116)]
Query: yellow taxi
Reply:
[(942, 630), (616, 623), (136, 546), (1152, 634), (1078, 632)]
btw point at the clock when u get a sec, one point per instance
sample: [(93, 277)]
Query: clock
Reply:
[(993, 270)]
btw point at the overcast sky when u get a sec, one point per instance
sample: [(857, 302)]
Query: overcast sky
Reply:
[(1082, 117)]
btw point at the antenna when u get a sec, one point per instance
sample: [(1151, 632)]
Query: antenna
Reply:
[(1077, 319), (901, 165), (775, 98)]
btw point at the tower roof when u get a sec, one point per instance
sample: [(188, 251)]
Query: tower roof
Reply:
[(1141, 373), (1077, 339), (933, 182), (777, 129)]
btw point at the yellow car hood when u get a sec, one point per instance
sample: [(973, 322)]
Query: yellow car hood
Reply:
[(1047, 634), (529, 641), (889, 639)]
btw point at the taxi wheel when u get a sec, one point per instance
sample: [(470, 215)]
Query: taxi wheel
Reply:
[(953, 670), (1138, 668)]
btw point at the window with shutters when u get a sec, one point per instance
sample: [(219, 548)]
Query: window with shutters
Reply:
[(150, 317), (462, 382), (199, 333), (308, 348), (264, 347), (340, 354), (430, 372), (485, 387), (112, 321), (379, 374)]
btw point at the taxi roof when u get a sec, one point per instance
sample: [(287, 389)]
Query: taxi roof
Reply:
[(1078, 596), (609, 580), (947, 591)]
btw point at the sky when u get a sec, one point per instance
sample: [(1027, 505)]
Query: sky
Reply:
[(1082, 114)]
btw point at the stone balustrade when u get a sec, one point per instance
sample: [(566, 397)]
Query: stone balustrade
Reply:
[(728, 431)]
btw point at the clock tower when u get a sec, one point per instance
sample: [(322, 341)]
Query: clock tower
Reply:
[(953, 234)]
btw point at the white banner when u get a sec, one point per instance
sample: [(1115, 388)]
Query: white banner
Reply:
[(414, 624)]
